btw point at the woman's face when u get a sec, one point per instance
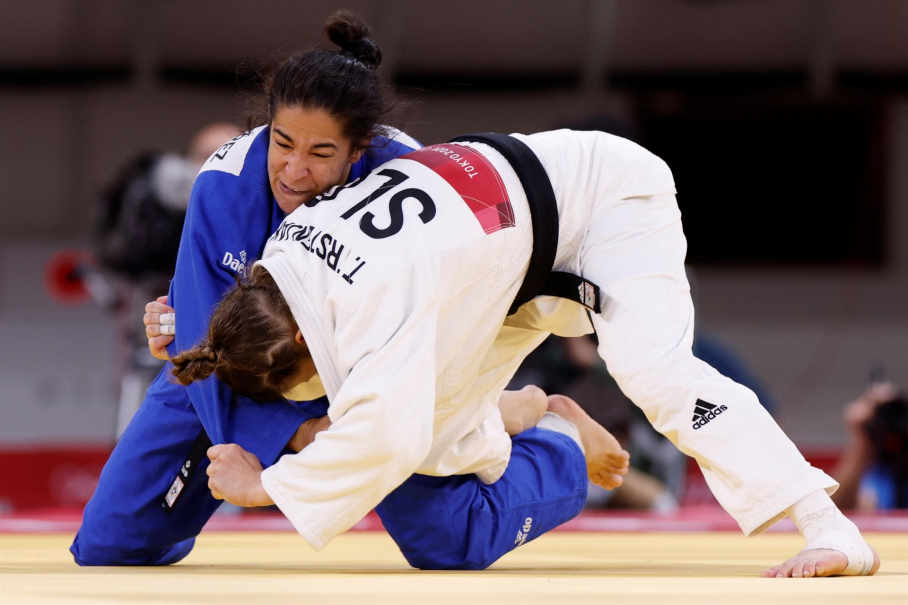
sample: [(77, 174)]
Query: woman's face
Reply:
[(307, 155)]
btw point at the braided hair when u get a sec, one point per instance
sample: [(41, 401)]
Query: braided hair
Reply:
[(251, 345)]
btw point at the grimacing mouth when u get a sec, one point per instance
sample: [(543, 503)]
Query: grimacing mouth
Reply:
[(292, 190)]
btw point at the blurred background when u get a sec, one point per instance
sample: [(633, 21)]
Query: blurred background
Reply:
[(785, 123)]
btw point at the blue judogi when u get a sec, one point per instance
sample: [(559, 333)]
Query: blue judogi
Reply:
[(231, 215), (438, 522), (460, 523)]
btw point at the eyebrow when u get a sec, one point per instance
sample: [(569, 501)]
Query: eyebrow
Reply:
[(316, 146)]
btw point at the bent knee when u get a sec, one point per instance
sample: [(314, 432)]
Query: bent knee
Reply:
[(89, 554), (429, 563), (93, 555), (448, 557)]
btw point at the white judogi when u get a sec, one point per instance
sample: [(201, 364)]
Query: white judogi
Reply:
[(403, 305)]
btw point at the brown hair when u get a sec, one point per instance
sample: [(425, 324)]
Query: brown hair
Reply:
[(250, 344), (342, 83)]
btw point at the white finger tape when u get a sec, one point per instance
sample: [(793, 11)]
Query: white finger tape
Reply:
[(168, 319), (168, 330)]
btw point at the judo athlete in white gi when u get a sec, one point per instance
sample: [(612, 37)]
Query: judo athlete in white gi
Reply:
[(401, 284)]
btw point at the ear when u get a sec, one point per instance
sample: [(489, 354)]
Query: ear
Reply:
[(299, 338), (358, 154)]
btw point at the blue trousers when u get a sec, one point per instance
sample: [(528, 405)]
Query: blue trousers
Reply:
[(123, 523), (459, 523), (438, 522)]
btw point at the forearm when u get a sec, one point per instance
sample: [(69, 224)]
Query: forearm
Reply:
[(350, 467), (324, 492)]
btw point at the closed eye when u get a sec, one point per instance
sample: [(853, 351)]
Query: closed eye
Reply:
[(282, 145)]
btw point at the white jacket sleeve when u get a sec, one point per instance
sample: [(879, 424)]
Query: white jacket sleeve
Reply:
[(382, 417)]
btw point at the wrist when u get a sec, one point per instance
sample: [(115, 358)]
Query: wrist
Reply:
[(261, 497)]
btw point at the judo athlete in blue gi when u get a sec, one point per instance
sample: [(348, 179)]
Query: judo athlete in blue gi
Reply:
[(321, 111)]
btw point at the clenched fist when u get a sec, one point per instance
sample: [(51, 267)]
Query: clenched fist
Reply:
[(235, 475), (159, 327)]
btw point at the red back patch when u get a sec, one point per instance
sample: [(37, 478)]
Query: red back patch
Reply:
[(475, 180)]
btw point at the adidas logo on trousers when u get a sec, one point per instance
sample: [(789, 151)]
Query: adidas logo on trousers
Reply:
[(704, 412)]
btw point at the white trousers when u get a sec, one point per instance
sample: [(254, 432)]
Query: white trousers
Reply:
[(635, 251)]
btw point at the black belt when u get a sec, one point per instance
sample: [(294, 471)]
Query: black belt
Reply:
[(187, 470), (540, 280)]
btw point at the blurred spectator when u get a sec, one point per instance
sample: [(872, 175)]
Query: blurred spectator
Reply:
[(140, 214), (873, 469), (137, 235)]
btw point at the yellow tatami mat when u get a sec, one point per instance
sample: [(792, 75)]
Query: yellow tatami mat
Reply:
[(365, 568)]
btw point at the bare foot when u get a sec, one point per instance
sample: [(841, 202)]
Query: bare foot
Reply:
[(606, 461), (816, 563), (523, 409)]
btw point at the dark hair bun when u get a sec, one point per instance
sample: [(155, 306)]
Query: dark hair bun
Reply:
[(352, 35)]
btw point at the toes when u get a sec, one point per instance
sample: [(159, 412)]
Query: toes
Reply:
[(771, 573), (618, 463), (614, 470), (606, 480), (621, 459), (799, 567), (785, 569), (810, 569)]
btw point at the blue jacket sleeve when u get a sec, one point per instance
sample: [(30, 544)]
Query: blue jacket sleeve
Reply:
[(216, 234)]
